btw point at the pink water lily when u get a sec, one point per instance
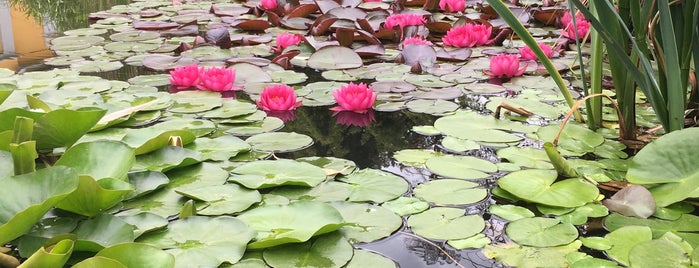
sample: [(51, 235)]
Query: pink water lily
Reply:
[(357, 98), (467, 35), (416, 41), (505, 66), (184, 77), (403, 20), (278, 98), (216, 79), (285, 40), (452, 5), (582, 25), (526, 53), (567, 18), (268, 4), (354, 119)]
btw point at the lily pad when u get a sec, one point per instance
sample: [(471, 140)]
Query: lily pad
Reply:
[(460, 167), (102, 231), (574, 140), (414, 157), (406, 205), (540, 186), (334, 58), (526, 157), (363, 258), (523, 256), (219, 148), (198, 240), (367, 222), (447, 192), (511, 212), (541, 232), (624, 239), (477, 241), (99, 159), (145, 182), (330, 250), (222, 199), (433, 107), (293, 223), (633, 201), (445, 223), (374, 185), (270, 173), (279, 142), (137, 255)]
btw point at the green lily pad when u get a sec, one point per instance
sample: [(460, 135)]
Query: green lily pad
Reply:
[(658, 253), (145, 182), (624, 239), (669, 160), (279, 142), (334, 58), (325, 192), (138, 255), (219, 148), (56, 256), (155, 80), (540, 186), (595, 242), (197, 240), (574, 140), (167, 158), (331, 165), (363, 258), (198, 127), (330, 250), (270, 173), (477, 241), (145, 222), (61, 128), (454, 144), (686, 224), (102, 262), (93, 197), (366, 222), (231, 108), (445, 223), (460, 167), (267, 124), (146, 140), (469, 125), (580, 215), (541, 232), (222, 199), (523, 256), (433, 107), (510, 212), (427, 80), (445, 192), (47, 187), (526, 157), (374, 185), (406, 205), (293, 223), (102, 231), (414, 157), (99, 159)]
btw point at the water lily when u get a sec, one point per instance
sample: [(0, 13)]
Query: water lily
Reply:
[(184, 77), (526, 53), (467, 35), (216, 79), (354, 119), (567, 18), (403, 20), (268, 4), (278, 98), (505, 66), (582, 25), (285, 40), (452, 5), (357, 98), (416, 41)]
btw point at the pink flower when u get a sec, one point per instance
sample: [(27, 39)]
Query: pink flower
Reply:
[(354, 119), (526, 53), (505, 66), (467, 35), (403, 20), (452, 5), (216, 79), (567, 18), (354, 97), (268, 4), (184, 77), (416, 41), (582, 25), (285, 40), (278, 98)]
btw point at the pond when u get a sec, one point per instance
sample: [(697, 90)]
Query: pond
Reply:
[(428, 178)]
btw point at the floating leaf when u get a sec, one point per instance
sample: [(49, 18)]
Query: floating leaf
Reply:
[(447, 192), (541, 232), (540, 186), (624, 239), (56, 256), (366, 222), (62, 128), (658, 253), (99, 159), (406, 205), (270, 173), (167, 158), (145, 222), (374, 185), (363, 258), (102, 231), (293, 223), (279, 142), (137, 255), (93, 197), (145, 182), (526, 157), (414, 157), (334, 58), (524, 256), (460, 167), (222, 199), (632, 201), (445, 223), (510, 212), (197, 240), (330, 250), (477, 241)]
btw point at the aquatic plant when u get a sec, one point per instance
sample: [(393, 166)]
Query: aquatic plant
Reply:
[(285, 40), (185, 77), (278, 98), (468, 35), (268, 4), (452, 5), (505, 66), (357, 98), (216, 79), (403, 19), (526, 53)]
